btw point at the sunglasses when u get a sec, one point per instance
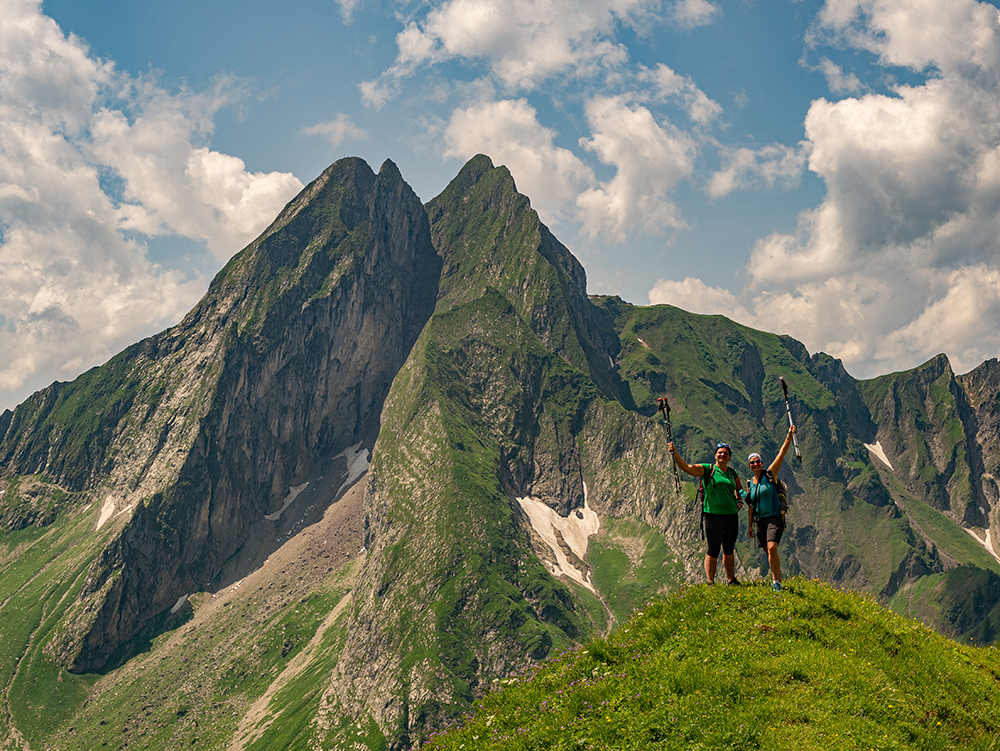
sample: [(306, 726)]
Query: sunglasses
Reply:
[(755, 461)]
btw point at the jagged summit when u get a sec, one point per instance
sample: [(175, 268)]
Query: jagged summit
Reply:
[(396, 452)]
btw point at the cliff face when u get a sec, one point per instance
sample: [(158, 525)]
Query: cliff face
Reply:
[(982, 395), (203, 429), (930, 430)]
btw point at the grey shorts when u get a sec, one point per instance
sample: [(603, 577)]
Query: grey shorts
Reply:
[(769, 529)]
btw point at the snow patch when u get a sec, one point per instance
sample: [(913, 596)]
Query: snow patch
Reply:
[(576, 530), (877, 450), (357, 465), (179, 604), (292, 494), (107, 511), (987, 543)]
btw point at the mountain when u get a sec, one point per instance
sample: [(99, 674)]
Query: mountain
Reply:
[(397, 453)]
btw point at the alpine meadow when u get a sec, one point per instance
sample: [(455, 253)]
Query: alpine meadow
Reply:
[(397, 480)]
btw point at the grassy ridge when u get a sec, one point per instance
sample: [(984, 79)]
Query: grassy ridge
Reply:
[(812, 667)]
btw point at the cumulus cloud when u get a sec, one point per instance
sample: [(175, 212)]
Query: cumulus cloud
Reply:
[(771, 166), (172, 185), (838, 81), (650, 158), (337, 131), (666, 84), (689, 14), (697, 297), (900, 260), (90, 161), (509, 132), (523, 42), (961, 322)]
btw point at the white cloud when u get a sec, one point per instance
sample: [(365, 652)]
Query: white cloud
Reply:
[(900, 261), (650, 159), (524, 42), (961, 322), (697, 297), (173, 186), (336, 131), (837, 80), (749, 169), (508, 132), (949, 34), (689, 14), (347, 8), (667, 85), (86, 153)]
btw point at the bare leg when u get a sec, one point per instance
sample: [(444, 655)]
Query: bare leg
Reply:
[(729, 564), (710, 566), (773, 561)]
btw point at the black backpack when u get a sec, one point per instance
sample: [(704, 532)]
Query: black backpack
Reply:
[(782, 492)]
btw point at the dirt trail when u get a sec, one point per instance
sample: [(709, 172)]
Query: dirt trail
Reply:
[(256, 721), (325, 538)]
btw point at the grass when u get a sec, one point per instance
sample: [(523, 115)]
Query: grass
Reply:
[(627, 582), (812, 667)]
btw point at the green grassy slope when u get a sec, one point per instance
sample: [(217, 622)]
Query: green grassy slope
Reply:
[(811, 668), (41, 573)]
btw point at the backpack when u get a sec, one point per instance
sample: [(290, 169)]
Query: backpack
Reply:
[(782, 492), (699, 495)]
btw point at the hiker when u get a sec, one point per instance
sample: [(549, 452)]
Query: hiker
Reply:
[(720, 510), (765, 506)]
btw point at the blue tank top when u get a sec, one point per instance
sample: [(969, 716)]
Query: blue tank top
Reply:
[(763, 497)]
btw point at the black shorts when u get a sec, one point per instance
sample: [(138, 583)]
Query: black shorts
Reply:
[(721, 531), (769, 529)]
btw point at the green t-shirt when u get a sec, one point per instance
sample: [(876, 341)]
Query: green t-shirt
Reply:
[(720, 490)]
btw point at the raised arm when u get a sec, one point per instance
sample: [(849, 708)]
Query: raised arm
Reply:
[(776, 464), (695, 470)]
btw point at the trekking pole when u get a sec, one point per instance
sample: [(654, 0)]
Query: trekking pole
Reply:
[(665, 409), (788, 409)]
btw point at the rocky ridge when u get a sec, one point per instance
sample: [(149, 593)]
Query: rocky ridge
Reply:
[(455, 344)]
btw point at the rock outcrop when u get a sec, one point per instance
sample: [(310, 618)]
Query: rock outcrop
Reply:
[(201, 430)]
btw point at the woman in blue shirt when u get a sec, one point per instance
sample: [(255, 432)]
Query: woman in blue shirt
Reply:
[(765, 505)]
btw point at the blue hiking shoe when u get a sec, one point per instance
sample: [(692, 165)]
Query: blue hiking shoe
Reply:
[(776, 586)]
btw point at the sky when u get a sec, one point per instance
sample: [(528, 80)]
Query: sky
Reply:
[(828, 170)]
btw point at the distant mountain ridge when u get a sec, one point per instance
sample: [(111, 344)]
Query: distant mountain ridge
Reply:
[(455, 345)]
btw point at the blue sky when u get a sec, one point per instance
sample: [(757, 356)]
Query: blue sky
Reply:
[(829, 170)]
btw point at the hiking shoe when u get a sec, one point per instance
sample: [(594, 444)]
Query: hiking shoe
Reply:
[(733, 583), (776, 586)]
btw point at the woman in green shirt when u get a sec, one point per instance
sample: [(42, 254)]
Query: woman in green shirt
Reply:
[(721, 509)]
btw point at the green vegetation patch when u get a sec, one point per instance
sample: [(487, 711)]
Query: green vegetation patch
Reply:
[(741, 668), (632, 563)]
